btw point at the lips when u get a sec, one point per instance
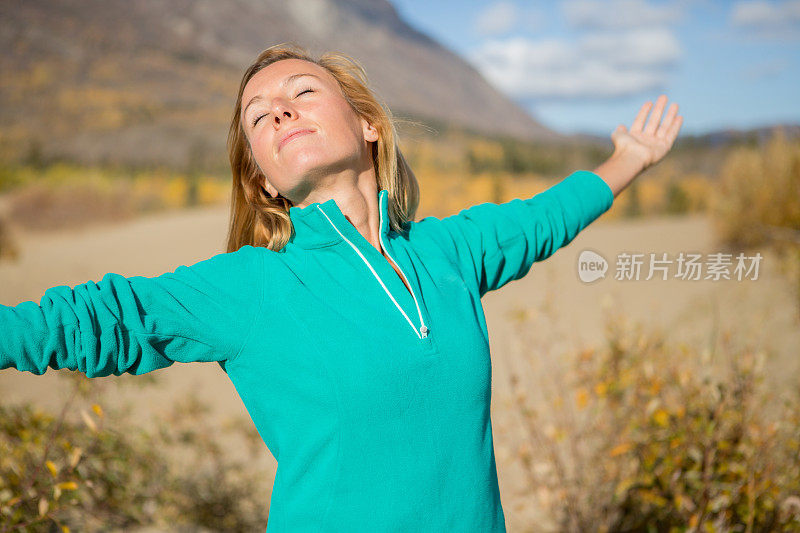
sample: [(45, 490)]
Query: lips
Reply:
[(293, 134)]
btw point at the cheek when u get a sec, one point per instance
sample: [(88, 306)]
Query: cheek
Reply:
[(343, 124), (348, 134), (260, 149)]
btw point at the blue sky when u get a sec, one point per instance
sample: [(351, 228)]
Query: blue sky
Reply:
[(587, 65)]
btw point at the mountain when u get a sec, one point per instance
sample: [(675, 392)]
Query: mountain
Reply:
[(756, 136), (146, 81)]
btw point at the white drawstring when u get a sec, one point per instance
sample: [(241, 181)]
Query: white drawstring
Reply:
[(423, 328), (378, 277)]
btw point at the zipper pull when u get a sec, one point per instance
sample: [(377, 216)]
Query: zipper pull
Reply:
[(424, 330)]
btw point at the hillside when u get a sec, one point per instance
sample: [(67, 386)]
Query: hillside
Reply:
[(141, 81)]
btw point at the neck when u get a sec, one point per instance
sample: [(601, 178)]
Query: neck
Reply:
[(356, 195)]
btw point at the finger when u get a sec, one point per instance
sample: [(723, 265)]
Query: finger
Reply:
[(655, 118), (667, 123), (617, 133), (638, 122), (674, 129)]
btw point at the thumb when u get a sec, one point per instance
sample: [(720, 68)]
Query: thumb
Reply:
[(619, 130)]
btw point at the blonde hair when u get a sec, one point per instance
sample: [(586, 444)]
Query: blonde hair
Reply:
[(257, 218)]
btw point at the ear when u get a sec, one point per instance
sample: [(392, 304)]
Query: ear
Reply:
[(370, 132)]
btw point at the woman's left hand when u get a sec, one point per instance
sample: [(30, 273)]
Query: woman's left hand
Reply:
[(647, 144)]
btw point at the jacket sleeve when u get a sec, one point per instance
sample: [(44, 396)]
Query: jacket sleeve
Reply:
[(202, 312), (498, 243)]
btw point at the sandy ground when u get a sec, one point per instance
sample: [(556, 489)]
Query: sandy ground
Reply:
[(759, 312)]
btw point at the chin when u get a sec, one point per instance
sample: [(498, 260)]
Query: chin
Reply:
[(304, 155), (308, 160)]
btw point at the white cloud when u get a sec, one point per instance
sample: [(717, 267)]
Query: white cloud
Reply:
[(599, 65), (504, 16), (619, 14), (497, 18), (636, 48), (767, 20)]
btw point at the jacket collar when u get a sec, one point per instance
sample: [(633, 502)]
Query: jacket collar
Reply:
[(314, 223)]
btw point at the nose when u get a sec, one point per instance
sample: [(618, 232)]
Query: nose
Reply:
[(281, 111)]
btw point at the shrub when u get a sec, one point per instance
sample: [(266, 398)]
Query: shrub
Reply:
[(639, 435), (677, 199), (60, 195), (758, 201), (101, 473), (76, 204)]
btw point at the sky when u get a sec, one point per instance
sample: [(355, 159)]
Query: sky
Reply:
[(588, 65)]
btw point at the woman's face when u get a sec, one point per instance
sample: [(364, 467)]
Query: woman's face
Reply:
[(292, 95)]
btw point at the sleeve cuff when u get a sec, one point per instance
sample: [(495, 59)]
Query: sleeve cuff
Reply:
[(592, 189)]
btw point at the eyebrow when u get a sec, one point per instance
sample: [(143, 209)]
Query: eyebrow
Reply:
[(284, 83)]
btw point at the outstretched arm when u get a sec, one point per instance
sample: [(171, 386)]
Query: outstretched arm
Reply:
[(498, 243), (642, 146), (202, 312)]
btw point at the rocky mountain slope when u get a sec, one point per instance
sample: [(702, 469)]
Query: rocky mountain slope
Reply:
[(145, 81)]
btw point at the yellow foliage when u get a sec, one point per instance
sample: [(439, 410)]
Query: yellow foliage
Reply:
[(51, 466), (758, 197), (479, 189), (619, 449), (174, 193), (586, 354), (582, 398), (661, 417), (655, 386), (13, 501), (651, 496), (656, 427), (699, 189), (652, 194), (212, 191), (487, 150)]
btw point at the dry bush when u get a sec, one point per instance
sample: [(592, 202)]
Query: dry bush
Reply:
[(758, 198), (698, 189), (639, 435), (43, 206), (61, 195), (85, 469), (758, 201)]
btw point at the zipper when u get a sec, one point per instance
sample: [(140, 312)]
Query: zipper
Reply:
[(423, 330)]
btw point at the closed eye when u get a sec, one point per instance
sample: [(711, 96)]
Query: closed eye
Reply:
[(298, 94)]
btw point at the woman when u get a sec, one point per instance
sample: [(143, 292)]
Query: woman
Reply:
[(354, 335)]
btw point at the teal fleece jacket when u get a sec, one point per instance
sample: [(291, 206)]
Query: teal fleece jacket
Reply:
[(374, 400)]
